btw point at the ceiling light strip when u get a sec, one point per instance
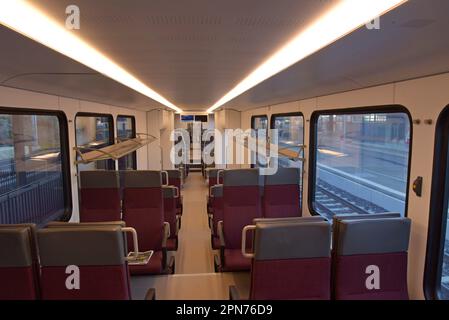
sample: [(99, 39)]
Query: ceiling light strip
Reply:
[(343, 18), (22, 17)]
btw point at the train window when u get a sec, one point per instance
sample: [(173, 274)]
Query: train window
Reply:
[(436, 276), (126, 129), (360, 161), (260, 125), (34, 167), (94, 131), (290, 128)]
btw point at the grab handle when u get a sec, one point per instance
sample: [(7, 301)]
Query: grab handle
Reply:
[(244, 231)]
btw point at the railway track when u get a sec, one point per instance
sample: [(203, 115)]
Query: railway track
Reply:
[(331, 200)]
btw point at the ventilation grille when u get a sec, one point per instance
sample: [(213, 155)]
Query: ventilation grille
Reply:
[(418, 23), (271, 22)]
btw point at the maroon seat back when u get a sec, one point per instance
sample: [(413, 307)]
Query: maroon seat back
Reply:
[(241, 204), (18, 273), (170, 196), (99, 196), (282, 194), (98, 254), (370, 259), (291, 260), (143, 208)]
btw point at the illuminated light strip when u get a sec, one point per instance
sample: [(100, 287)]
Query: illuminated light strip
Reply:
[(25, 19), (344, 18)]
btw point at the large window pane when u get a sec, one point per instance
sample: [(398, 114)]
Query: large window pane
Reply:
[(444, 280), (260, 126), (126, 129), (291, 137), (94, 132), (361, 163), (32, 186)]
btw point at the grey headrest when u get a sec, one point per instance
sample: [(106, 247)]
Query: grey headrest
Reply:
[(83, 246), (142, 179), (289, 220), (212, 172), (292, 240), (99, 179), (15, 247), (58, 224), (283, 176), (387, 235), (169, 191), (241, 177), (174, 174), (217, 191)]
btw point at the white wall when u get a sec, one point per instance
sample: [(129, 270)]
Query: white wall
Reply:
[(424, 98), (16, 98)]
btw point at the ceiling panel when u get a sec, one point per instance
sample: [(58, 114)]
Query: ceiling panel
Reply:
[(193, 52)]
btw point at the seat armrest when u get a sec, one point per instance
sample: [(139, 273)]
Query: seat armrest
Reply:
[(222, 242), (166, 234), (234, 293), (221, 234), (151, 294)]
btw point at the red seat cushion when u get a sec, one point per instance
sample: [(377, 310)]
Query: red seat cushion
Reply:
[(100, 204), (281, 201), (96, 283), (235, 261), (350, 277), (17, 283), (293, 279), (172, 244)]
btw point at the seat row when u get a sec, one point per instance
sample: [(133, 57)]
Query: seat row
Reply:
[(242, 195), (148, 206), (65, 261), (292, 258)]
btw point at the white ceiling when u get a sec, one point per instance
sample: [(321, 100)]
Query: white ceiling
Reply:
[(194, 51)]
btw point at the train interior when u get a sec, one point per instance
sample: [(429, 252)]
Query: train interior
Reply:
[(216, 150)]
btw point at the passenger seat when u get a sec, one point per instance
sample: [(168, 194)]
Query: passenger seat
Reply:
[(281, 197), (241, 204), (100, 196), (143, 209), (84, 263), (291, 260), (19, 264), (370, 258)]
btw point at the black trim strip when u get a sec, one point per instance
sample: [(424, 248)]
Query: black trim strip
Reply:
[(436, 233)]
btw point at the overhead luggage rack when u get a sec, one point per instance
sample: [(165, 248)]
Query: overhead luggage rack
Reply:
[(115, 151)]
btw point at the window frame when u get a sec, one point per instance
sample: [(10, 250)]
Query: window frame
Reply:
[(253, 120), (394, 108), (65, 150), (111, 131), (437, 226), (134, 133)]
